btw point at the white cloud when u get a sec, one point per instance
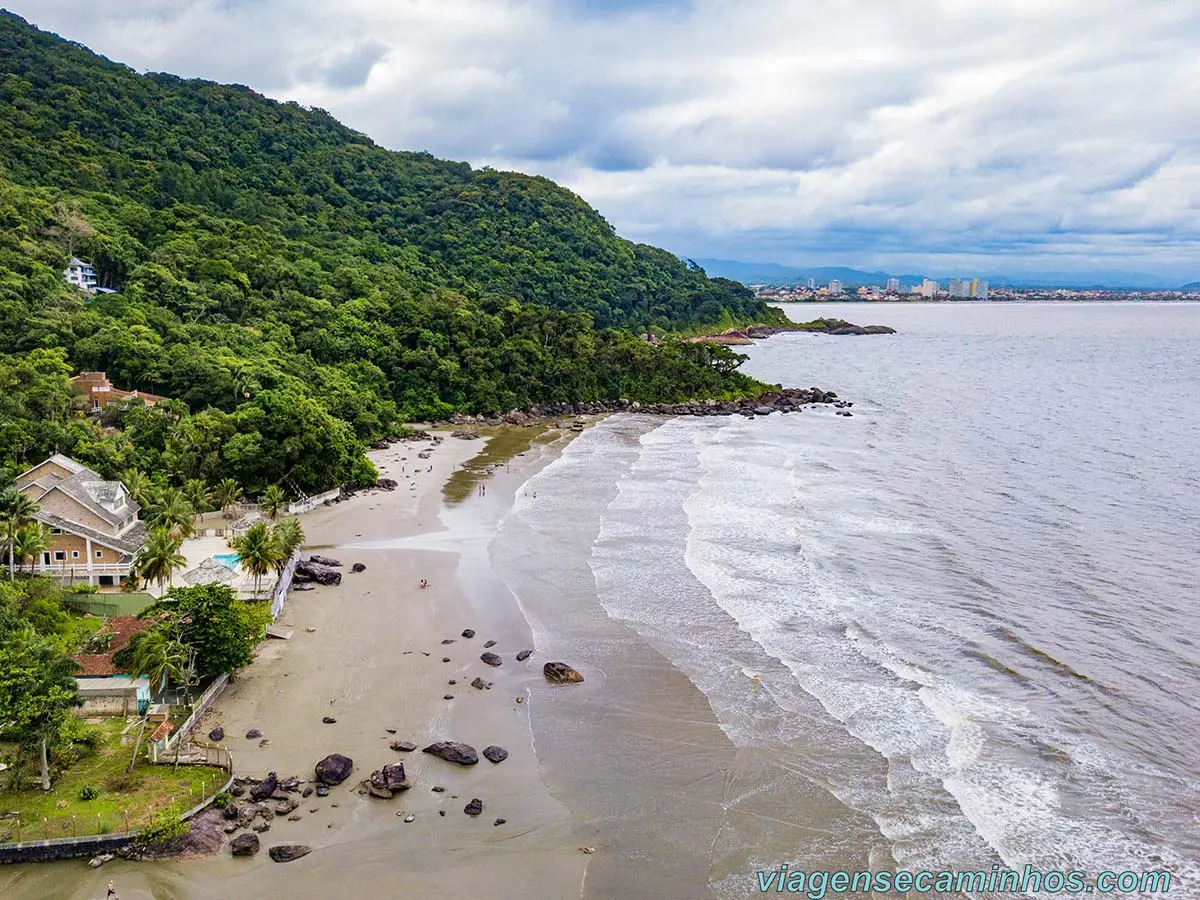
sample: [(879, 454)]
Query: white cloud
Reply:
[(1008, 134)]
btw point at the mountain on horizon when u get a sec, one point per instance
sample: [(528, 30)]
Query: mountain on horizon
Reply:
[(774, 273)]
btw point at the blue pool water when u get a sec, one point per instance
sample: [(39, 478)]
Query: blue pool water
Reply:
[(229, 560)]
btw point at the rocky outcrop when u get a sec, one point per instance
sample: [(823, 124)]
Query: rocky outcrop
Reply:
[(454, 751), (783, 400), (334, 769), (282, 853), (264, 788), (742, 336), (561, 673), (325, 561), (321, 573), (386, 782)]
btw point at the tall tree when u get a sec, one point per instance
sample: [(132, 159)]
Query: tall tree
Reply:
[(160, 557), (173, 512), (161, 657), (288, 536), (227, 493), (273, 501), (211, 620), (30, 541), (16, 510), (37, 692), (259, 554)]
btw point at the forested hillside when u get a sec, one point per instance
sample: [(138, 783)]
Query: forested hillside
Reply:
[(298, 289)]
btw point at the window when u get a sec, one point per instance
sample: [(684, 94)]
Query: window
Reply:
[(74, 554), (60, 555), (99, 554), (56, 531)]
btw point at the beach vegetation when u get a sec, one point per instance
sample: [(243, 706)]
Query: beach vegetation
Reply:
[(160, 557), (259, 552)]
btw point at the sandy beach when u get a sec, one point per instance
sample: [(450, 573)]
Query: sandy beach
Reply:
[(370, 654)]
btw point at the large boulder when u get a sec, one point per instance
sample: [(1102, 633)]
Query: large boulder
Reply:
[(561, 673), (245, 844), (334, 769), (388, 780), (358, 567), (491, 659), (318, 572), (324, 561), (282, 853), (264, 788), (453, 751)]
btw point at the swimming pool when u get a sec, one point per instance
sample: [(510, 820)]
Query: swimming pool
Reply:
[(228, 560)]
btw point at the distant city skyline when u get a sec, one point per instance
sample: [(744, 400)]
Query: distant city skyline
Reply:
[(946, 136)]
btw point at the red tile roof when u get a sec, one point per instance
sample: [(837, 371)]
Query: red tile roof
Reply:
[(161, 731), (122, 629)]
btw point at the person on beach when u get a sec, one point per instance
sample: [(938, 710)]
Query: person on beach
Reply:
[(112, 892), (424, 584)]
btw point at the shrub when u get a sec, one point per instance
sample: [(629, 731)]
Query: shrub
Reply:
[(164, 828), (87, 792), (222, 799)]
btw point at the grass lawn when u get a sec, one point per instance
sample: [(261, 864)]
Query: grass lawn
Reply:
[(122, 798)]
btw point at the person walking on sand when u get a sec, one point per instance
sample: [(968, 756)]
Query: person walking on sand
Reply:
[(112, 892)]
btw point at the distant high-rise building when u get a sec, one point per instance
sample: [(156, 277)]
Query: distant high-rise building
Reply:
[(893, 285), (928, 288), (979, 289), (812, 284), (835, 287), (955, 288)]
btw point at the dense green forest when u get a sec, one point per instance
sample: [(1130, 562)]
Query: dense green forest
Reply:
[(294, 288)]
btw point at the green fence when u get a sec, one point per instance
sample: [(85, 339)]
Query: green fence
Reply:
[(108, 605)]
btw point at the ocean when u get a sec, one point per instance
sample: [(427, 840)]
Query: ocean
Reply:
[(952, 631)]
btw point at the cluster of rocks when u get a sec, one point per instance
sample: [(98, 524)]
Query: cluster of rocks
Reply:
[(319, 569), (816, 326)]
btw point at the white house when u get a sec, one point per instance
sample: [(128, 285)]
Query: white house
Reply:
[(82, 275)]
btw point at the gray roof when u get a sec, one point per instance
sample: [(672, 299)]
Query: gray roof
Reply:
[(107, 499), (209, 571)]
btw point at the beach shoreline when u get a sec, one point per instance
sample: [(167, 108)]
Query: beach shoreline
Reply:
[(369, 653)]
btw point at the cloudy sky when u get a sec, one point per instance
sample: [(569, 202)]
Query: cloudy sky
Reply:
[(944, 136)]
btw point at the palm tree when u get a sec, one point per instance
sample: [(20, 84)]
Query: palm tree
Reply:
[(160, 557), (288, 537), (30, 541), (138, 485), (173, 512), (15, 510), (259, 554), (227, 493), (196, 491), (161, 658), (273, 501)]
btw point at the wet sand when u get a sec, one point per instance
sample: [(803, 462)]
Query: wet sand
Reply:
[(374, 662)]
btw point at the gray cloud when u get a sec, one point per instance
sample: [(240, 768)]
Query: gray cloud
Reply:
[(998, 133)]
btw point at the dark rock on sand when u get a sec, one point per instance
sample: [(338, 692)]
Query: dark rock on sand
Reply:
[(244, 844), (325, 561), (500, 821), (308, 570), (561, 673), (474, 808), (479, 684), (491, 659), (334, 769), (252, 734), (358, 567), (524, 655), (217, 734), (282, 853), (264, 788), (403, 746), (489, 644), (329, 720), (454, 751), (447, 641), (468, 632), (495, 754), (322, 790), (390, 779), (307, 792)]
